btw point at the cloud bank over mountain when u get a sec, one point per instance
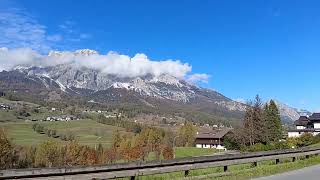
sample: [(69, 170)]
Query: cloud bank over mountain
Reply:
[(26, 40), (111, 63)]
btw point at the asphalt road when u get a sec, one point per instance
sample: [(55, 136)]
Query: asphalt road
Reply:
[(308, 173)]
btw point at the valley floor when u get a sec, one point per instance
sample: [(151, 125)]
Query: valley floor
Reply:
[(87, 132)]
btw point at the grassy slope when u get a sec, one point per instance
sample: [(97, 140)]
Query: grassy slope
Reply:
[(22, 134), (86, 131), (7, 116)]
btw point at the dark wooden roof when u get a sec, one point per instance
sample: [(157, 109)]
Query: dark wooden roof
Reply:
[(213, 134), (315, 117), (302, 121)]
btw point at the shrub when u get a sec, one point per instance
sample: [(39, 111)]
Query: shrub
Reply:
[(305, 139), (47, 154), (316, 139), (283, 145), (258, 147), (6, 151), (167, 153), (230, 143)]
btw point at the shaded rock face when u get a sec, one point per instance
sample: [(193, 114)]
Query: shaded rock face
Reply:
[(72, 79), (290, 114)]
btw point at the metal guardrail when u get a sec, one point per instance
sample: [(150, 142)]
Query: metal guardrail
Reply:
[(135, 169)]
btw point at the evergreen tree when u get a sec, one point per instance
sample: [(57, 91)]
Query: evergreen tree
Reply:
[(273, 122)]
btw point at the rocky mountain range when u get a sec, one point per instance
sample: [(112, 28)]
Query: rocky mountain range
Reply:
[(163, 92), (290, 114)]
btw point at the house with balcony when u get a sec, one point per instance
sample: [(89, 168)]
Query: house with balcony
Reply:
[(211, 138), (306, 124)]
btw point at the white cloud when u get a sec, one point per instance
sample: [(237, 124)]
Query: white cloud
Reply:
[(110, 63), (204, 78), (14, 57), (27, 40), (67, 26), (19, 29)]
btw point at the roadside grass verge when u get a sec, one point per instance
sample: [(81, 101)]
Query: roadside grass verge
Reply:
[(242, 171), (181, 152)]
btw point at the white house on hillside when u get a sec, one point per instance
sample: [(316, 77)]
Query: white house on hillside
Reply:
[(306, 124)]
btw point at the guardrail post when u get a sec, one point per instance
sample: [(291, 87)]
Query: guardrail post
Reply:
[(186, 173), (293, 159), (254, 164), (132, 178), (225, 168), (277, 161)]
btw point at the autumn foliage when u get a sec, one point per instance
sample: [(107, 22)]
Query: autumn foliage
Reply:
[(53, 154)]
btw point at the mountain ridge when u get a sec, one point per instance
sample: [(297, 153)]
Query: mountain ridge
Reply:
[(156, 91)]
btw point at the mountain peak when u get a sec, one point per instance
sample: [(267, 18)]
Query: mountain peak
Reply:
[(289, 113), (86, 52), (79, 52)]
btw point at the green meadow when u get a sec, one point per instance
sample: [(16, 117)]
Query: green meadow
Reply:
[(87, 132)]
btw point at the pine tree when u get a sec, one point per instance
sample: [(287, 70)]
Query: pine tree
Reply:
[(273, 122)]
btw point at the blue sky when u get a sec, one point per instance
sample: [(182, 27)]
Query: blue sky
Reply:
[(271, 48)]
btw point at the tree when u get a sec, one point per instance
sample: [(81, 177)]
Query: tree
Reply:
[(47, 154), (111, 155), (73, 153), (6, 151), (230, 142), (89, 156), (154, 142), (273, 122), (187, 134), (167, 152), (254, 122), (124, 148), (136, 153), (116, 139)]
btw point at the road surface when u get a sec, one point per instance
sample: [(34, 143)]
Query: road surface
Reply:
[(308, 173)]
